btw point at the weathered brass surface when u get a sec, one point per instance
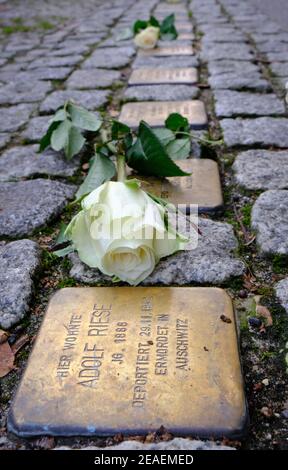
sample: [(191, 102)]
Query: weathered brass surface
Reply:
[(165, 51), (124, 359), (183, 27), (186, 36), (150, 76), (156, 112), (203, 187)]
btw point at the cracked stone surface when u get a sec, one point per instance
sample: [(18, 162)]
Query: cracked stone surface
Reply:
[(220, 51), (36, 128), (262, 169), (28, 205), (233, 103), (217, 67), (24, 162), (19, 262), (21, 91), (263, 132), (282, 292), (4, 140), (211, 262), (175, 444), (14, 117), (55, 62), (94, 78), (236, 81), (161, 92), (109, 58), (88, 99), (270, 220)]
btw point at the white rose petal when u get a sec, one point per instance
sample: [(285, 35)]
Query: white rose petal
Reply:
[(122, 231), (148, 38)]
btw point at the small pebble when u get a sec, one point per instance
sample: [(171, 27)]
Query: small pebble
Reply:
[(265, 382), (242, 294), (285, 414), (253, 321)]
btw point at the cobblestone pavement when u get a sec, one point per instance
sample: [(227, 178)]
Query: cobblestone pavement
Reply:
[(54, 50)]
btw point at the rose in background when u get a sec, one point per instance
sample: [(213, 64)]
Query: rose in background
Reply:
[(147, 32), (147, 38), (123, 232)]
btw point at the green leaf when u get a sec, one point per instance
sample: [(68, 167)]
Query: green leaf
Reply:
[(64, 251), (46, 139), (179, 149), (74, 143), (154, 22), (164, 135), (133, 183), (126, 33), (119, 130), (149, 157), (82, 118), (167, 28), (101, 170), (61, 235), (139, 25), (175, 122), (60, 115), (60, 136)]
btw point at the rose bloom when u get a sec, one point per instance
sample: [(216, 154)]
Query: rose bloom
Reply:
[(148, 38), (123, 232)]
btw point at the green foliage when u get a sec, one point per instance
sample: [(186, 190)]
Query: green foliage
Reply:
[(167, 28), (149, 157), (101, 170), (64, 132)]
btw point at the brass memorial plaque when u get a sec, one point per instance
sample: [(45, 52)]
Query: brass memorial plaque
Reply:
[(203, 187), (165, 51), (156, 112), (150, 76), (131, 359)]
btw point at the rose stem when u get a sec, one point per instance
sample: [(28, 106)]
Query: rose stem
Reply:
[(121, 168)]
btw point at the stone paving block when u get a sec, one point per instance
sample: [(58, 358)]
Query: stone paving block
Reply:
[(178, 443), (262, 169), (72, 50), (236, 81), (155, 113), (220, 67), (92, 78), (270, 220), (282, 292), (24, 91), (52, 73), (24, 162), (14, 117), (28, 205), (91, 99), (161, 92), (163, 63), (233, 103), (55, 62), (109, 58), (272, 46), (19, 262), (260, 38), (4, 140), (261, 132), (224, 36), (277, 56), (36, 128), (280, 68), (211, 262), (222, 51)]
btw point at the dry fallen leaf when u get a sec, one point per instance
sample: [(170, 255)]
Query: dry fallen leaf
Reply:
[(20, 343), (3, 336), (265, 313), (6, 359)]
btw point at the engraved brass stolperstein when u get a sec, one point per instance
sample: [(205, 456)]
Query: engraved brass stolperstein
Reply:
[(131, 359)]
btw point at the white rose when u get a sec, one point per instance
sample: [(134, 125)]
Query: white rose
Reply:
[(121, 231), (148, 38)]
